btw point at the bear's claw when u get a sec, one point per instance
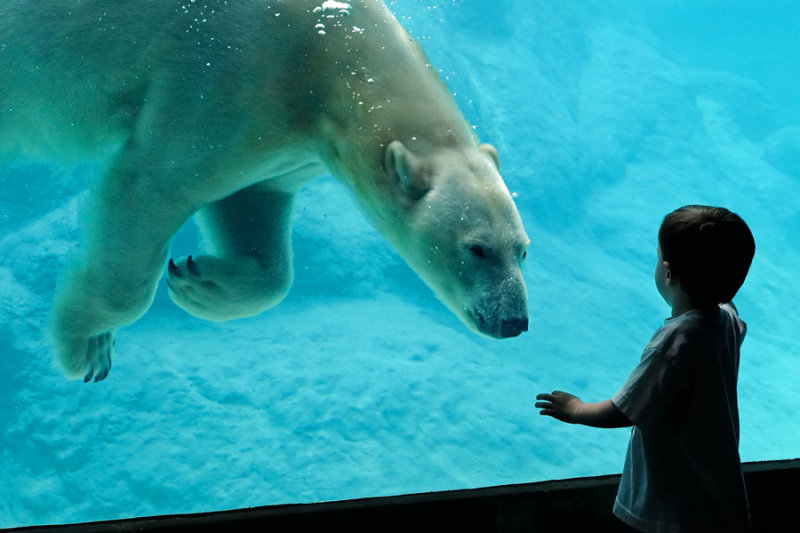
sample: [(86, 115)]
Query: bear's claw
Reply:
[(174, 270), (99, 355), (103, 374), (191, 266)]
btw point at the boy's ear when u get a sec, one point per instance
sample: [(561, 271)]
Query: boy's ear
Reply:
[(668, 277)]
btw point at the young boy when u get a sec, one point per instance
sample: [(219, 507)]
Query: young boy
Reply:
[(682, 470)]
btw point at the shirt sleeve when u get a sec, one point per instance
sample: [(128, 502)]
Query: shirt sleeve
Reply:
[(739, 324), (653, 391)]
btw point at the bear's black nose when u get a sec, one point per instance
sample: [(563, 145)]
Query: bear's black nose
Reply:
[(513, 327)]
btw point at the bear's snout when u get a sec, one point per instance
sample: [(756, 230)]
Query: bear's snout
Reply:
[(501, 328), (513, 327)]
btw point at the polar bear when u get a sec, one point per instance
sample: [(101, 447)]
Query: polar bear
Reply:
[(223, 110)]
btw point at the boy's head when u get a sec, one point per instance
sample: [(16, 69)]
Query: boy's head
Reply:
[(709, 251)]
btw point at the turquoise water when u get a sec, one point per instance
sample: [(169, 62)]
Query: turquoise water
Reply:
[(606, 115)]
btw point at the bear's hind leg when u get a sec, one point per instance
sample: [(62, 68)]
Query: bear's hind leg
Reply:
[(249, 265), (130, 222)]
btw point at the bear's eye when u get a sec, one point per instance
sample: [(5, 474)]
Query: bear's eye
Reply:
[(477, 250), (524, 255)]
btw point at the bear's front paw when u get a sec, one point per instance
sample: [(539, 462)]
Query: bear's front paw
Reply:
[(188, 286), (98, 356), (196, 285), (188, 269), (223, 289)]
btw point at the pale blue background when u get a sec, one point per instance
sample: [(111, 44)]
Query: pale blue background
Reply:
[(607, 115)]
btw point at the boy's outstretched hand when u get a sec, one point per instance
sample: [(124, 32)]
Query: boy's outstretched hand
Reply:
[(569, 408), (560, 405)]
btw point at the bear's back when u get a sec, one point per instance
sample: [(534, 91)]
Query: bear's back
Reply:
[(77, 75)]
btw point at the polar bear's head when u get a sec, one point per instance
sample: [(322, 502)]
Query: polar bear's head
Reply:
[(457, 227)]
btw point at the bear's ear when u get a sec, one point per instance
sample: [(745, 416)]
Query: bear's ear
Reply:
[(404, 167), (491, 151)]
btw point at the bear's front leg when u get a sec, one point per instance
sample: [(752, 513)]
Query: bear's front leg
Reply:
[(130, 222)]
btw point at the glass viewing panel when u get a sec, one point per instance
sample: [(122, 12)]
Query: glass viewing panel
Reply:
[(361, 382)]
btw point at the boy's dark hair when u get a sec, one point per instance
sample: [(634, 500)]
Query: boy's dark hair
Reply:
[(709, 250)]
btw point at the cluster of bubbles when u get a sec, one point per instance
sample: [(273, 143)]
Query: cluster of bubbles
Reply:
[(330, 10)]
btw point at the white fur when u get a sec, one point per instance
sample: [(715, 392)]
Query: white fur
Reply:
[(224, 110)]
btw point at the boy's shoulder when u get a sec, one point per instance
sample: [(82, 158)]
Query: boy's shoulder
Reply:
[(733, 315), (699, 327), (705, 317), (730, 309)]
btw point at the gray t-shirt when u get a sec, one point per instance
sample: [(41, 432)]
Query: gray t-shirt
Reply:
[(682, 470)]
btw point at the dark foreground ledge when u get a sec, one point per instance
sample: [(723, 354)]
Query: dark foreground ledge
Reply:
[(581, 504)]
